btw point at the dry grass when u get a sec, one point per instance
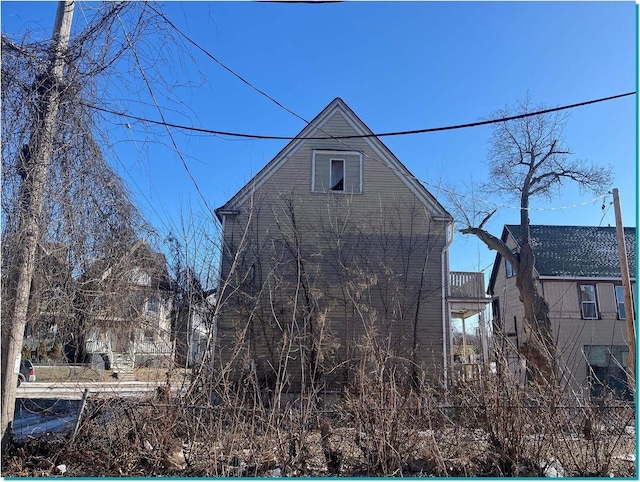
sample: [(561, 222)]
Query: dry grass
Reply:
[(67, 373), (70, 373)]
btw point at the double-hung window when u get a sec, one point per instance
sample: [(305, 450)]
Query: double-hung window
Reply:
[(588, 302)]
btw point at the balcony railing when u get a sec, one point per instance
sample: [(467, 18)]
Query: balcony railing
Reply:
[(463, 284), (152, 347)]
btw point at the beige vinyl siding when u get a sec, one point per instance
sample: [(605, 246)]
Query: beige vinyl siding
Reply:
[(606, 301), (511, 309), (572, 332), (363, 258)]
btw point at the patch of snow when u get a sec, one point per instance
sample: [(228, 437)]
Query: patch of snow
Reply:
[(627, 457), (553, 468)]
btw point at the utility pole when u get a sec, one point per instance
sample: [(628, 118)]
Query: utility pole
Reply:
[(34, 163), (626, 287)]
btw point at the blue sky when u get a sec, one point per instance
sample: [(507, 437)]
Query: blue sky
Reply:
[(399, 66)]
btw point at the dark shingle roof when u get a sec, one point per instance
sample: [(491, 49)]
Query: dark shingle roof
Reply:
[(578, 251)]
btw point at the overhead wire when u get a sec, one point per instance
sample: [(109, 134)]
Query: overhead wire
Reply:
[(353, 136), (161, 113), (208, 54), (342, 138)]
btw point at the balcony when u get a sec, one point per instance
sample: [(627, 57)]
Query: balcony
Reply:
[(463, 284), (466, 294)]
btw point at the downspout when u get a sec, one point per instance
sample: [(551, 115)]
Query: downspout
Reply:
[(212, 332), (445, 287)]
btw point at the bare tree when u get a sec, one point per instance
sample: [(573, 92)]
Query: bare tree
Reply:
[(527, 159), (58, 189)]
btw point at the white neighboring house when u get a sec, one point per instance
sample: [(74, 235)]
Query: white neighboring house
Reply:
[(196, 330), (129, 306)]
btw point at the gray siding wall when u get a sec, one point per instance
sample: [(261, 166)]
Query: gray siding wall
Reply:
[(347, 265)]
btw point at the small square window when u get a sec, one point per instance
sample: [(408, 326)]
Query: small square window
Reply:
[(588, 302), (337, 172), (337, 175)]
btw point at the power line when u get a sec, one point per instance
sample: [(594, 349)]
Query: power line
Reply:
[(173, 141), (341, 138), (355, 136), (228, 69)]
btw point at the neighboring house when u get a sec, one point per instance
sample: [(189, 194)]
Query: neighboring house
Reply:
[(125, 306), (195, 328), (577, 269), (334, 254), (50, 300)]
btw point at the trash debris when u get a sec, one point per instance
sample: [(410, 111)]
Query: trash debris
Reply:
[(62, 468), (174, 458), (275, 472)]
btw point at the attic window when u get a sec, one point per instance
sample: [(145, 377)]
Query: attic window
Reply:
[(337, 175), (336, 171)]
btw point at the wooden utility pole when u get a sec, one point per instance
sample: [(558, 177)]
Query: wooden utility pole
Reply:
[(626, 287), (34, 163)]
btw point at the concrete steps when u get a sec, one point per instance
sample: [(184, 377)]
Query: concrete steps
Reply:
[(122, 365)]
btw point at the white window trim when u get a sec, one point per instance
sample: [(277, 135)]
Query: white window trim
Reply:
[(339, 154), (594, 302)]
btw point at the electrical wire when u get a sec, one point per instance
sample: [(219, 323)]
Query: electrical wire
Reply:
[(341, 138), (354, 136), (360, 136), (160, 112)]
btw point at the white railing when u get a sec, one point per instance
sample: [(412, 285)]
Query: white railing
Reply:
[(463, 284), (152, 347)]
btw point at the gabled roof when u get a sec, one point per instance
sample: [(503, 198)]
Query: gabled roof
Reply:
[(316, 128), (139, 256), (574, 251)]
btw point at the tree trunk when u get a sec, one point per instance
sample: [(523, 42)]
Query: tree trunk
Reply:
[(35, 162), (539, 348)]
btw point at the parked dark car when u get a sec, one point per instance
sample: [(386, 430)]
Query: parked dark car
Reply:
[(27, 372)]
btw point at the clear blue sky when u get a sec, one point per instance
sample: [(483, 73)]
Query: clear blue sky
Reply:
[(399, 66)]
